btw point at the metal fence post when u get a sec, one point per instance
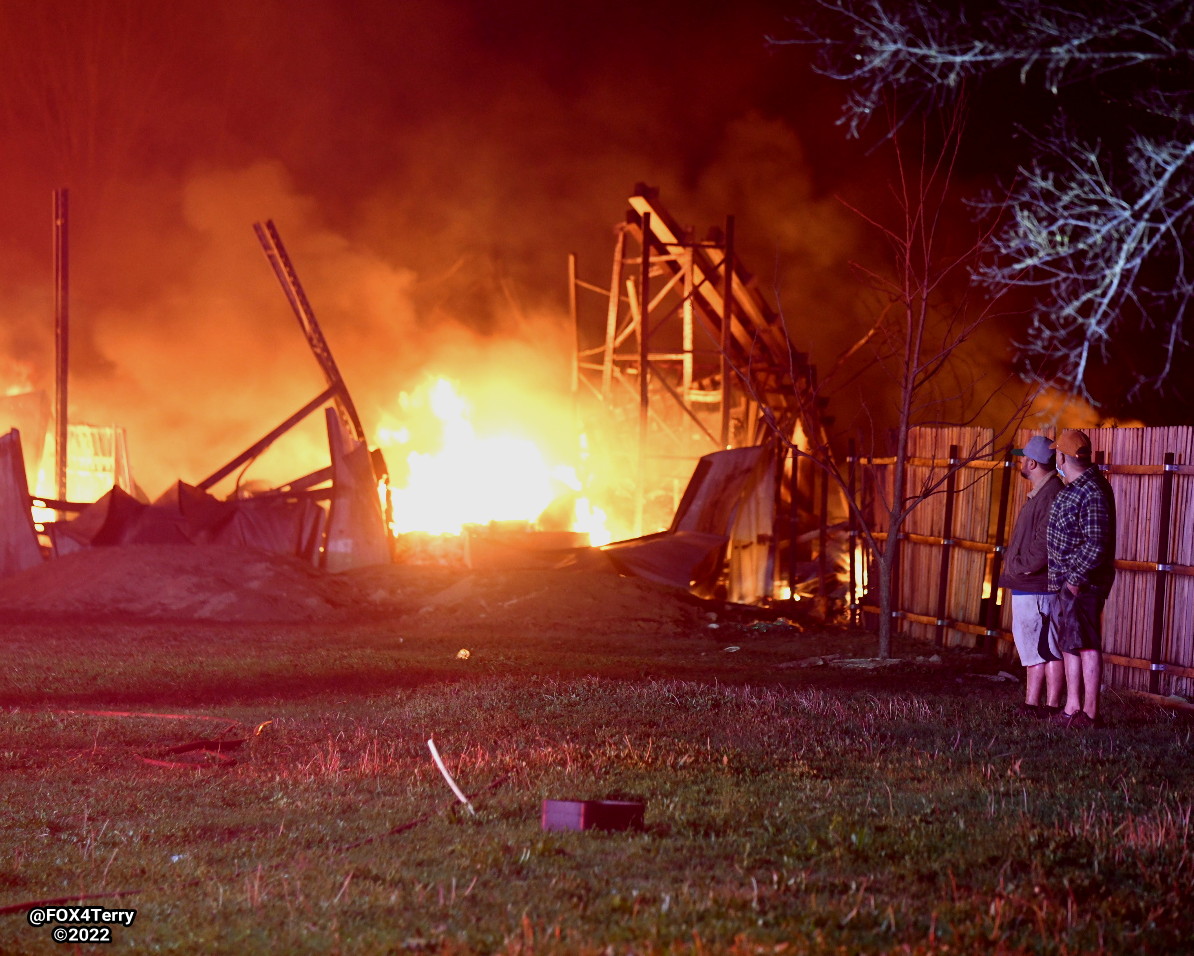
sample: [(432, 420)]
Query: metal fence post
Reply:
[(991, 618), (852, 535), (947, 543), (1163, 567)]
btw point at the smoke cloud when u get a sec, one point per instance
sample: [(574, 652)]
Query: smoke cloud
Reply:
[(429, 167)]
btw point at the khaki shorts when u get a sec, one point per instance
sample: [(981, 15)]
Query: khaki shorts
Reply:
[(1033, 629)]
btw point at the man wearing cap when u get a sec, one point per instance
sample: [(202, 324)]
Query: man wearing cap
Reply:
[(1081, 538), (1026, 573)]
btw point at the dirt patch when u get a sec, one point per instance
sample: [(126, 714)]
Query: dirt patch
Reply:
[(174, 582), (574, 620), (201, 583), (532, 599), (269, 627)]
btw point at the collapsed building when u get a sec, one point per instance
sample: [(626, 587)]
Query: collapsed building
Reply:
[(333, 517), (687, 386)]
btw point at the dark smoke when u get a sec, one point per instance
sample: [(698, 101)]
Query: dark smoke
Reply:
[(429, 166)]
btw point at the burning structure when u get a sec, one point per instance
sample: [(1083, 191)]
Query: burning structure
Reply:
[(690, 400), (695, 364), (332, 517)]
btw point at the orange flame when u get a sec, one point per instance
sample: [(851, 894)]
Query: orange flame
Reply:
[(456, 476)]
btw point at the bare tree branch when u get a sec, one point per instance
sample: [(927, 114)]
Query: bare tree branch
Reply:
[(1102, 216), (1088, 245)]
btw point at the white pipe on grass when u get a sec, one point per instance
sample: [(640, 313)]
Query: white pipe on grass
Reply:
[(447, 776)]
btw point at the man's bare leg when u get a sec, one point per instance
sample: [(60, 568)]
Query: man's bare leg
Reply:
[(1073, 682), (1034, 682), (1054, 682), (1092, 677)]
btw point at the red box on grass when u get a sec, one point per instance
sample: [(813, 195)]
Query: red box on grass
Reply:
[(592, 814)]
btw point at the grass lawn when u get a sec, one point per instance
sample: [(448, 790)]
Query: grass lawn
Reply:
[(823, 809)]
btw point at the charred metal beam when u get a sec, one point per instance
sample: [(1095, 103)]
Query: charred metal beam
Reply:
[(275, 252), (256, 449)]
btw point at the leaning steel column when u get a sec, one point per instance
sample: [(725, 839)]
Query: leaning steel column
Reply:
[(61, 339), (279, 260)]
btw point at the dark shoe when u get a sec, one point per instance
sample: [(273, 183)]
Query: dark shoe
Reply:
[(1040, 711), (1078, 720)]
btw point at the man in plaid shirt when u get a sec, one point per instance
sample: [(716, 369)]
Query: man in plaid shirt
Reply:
[(1081, 540)]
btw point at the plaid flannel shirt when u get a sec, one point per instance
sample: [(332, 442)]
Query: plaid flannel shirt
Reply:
[(1081, 534)]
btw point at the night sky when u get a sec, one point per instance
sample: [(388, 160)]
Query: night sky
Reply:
[(429, 167)]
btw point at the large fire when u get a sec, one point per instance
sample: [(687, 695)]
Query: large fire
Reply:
[(447, 475)]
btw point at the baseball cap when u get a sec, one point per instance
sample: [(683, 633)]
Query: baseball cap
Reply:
[(1039, 450), (1074, 443)]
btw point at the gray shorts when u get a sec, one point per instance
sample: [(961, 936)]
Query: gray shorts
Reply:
[(1033, 630), (1078, 619)]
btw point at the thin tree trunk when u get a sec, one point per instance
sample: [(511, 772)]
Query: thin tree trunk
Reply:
[(886, 598)]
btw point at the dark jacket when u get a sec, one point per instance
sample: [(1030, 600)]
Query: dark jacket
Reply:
[(1026, 565)]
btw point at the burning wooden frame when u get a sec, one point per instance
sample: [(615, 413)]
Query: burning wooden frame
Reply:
[(714, 370)]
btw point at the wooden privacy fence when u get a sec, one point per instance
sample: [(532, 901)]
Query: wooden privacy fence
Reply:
[(951, 546)]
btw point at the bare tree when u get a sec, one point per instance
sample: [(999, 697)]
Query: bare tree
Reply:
[(919, 331), (926, 311), (1103, 207)]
